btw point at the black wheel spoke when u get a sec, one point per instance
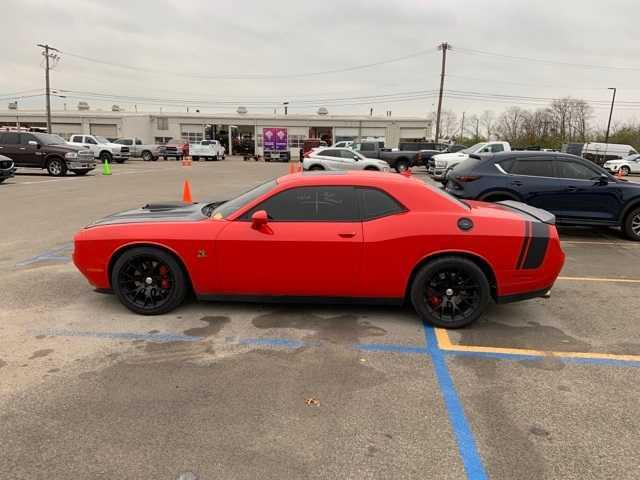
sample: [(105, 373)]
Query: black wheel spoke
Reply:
[(146, 282), (452, 294)]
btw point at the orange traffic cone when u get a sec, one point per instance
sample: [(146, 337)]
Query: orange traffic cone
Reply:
[(186, 192), (295, 167), (620, 172)]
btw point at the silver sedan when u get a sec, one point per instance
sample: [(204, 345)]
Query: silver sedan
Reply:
[(331, 158)]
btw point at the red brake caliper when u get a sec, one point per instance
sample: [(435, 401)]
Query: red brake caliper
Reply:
[(164, 273), (433, 299)]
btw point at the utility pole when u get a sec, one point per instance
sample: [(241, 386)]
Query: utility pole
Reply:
[(462, 128), (613, 100), (47, 56), (286, 107), (477, 129), (444, 47)]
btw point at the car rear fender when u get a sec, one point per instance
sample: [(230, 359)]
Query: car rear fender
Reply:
[(474, 257), (503, 191), (129, 246)]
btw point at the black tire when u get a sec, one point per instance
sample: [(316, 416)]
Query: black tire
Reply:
[(625, 170), (445, 283), (316, 167), (631, 226), (56, 167), (106, 156), (401, 165), (373, 169), (496, 197), (195, 159), (143, 270), (80, 173), (2, 180), (147, 156)]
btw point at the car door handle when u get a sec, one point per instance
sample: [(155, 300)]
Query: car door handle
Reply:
[(516, 183), (22, 148), (572, 189), (347, 234)]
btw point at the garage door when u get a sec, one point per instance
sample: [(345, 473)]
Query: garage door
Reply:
[(373, 131), (104, 130), (413, 133), (65, 130)]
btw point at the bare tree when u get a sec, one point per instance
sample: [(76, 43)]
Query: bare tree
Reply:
[(510, 123), (487, 120)]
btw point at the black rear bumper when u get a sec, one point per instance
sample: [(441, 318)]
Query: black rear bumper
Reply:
[(517, 297)]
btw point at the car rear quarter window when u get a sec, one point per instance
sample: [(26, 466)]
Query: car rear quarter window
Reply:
[(571, 169), (330, 153), (25, 138), (311, 204), (9, 138), (533, 167), (376, 204)]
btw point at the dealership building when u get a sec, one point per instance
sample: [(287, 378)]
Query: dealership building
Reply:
[(238, 128)]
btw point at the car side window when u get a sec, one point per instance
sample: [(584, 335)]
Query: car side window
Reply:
[(10, 138), (90, 141), (574, 170), (311, 204), (498, 147), (126, 141), (138, 141), (76, 139), (367, 147), (376, 204), (506, 165), (533, 167), (330, 153), (347, 154)]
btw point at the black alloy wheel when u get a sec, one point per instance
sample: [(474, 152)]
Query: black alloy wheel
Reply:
[(148, 281), (56, 167), (402, 166), (450, 292)]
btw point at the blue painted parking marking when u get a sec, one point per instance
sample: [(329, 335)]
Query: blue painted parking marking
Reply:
[(464, 436), (148, 337), (58, 254), (272, 342), (388, 347)]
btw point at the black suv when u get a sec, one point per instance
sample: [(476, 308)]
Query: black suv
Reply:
[(44, 150), (576, 191)]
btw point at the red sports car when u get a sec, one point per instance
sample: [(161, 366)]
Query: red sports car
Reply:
[(339, 236)]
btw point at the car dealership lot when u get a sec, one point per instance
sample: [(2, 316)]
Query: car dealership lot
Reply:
[(540, 389)]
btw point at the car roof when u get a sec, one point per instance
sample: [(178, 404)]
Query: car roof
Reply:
[(347, 177), (527, 153)]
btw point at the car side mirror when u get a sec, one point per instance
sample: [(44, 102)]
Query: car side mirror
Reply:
[(33, 143), (603, 179), (259, 219), (356, 158)]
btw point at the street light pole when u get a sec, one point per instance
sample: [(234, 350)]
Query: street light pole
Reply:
[(613, 100)]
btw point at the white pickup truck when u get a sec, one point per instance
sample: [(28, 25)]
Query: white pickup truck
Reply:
[(102, 148), (139, 149), (442, 163), (207, 149)]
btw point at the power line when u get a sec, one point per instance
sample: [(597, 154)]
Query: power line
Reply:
[(471, 51), (252, 76)]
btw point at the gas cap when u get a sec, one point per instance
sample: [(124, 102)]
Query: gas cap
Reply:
[(465, 224)]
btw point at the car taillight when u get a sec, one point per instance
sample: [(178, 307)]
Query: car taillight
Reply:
[(466, 178)]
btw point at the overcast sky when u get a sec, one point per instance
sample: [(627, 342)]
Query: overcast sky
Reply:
[(177, 47)]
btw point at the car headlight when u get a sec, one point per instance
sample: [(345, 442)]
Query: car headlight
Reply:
[(441, 163), (71, 155)]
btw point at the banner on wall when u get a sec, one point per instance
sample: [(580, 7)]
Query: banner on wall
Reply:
[(275, 139)]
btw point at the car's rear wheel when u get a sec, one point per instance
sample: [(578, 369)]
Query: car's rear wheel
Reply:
[(56, 167), (402, 166), (316, 167), (147, 156), (624, 170), (631, 225), (450, 292), (106, 157), (195, 159), (148, 281)]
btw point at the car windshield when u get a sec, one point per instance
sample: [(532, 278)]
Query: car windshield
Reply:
[(50, 139), (232, 206), (101, 139), (474, 148)]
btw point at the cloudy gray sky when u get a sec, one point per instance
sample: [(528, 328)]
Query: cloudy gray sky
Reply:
[(217, 55)]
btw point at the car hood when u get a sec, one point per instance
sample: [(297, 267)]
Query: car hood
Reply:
[(451, 156), (615, 162), (63, 147), (161, 212)]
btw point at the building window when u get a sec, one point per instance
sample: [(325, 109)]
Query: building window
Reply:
[(162, 140), (259, 140), (163, 123), (192, 137), (296, 141)]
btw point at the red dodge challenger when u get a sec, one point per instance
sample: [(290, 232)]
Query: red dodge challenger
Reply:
[(366, 237)]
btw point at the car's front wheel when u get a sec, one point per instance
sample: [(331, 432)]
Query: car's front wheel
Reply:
[(148, 281), (624, 170), (631, 225), (56, 167), (316, 167), (147, 156), (450, 292), (402, 166)]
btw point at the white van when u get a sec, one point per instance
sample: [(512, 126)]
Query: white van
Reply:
[(601, 152)]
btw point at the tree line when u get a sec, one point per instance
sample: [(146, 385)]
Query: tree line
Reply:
[(565, 120)]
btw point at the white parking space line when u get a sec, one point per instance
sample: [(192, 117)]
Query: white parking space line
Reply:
[(600, 279), (596, 242)]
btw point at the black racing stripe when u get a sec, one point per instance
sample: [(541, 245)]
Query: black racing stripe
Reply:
[(525, 244), (538, 247)]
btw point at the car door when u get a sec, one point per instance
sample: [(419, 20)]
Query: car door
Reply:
[(9, 147), (330, 158), (532, 178), (30, 154), (585, 196), (346, 160), (311, 246)]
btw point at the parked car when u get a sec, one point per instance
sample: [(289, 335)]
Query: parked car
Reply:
[(207, 149), (601, 152), (575, 190), (102, 149), (310, 143), (444, 162), (425, 157), (46, 151), (625, 166), (400, 161), (417, 146), (175, 148), (449, 267), (7, 168), (343, 144), (139, 149), (330, 158)]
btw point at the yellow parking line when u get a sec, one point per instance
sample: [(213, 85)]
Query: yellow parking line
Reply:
[(600, 279), (444, 342), (600, 242)]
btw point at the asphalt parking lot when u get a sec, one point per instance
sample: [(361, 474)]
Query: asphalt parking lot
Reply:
[(544, 389)]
